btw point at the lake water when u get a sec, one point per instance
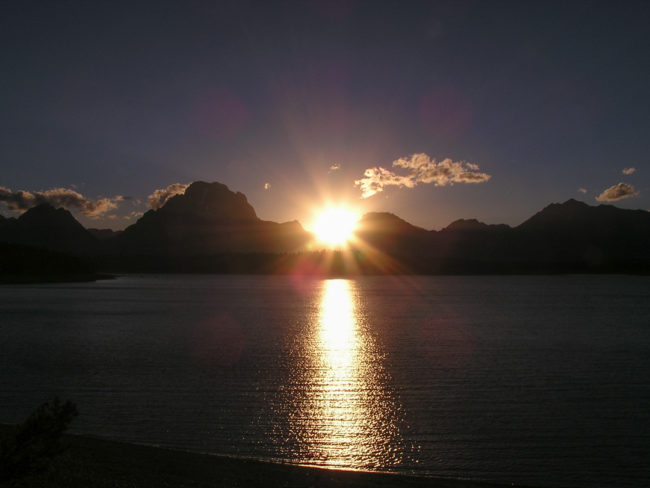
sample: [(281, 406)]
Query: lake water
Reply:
[(540, 380)]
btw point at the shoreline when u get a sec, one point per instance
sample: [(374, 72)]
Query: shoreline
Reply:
[(36, 279), (95, 462)]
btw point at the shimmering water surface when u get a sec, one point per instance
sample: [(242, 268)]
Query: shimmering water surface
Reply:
[(537, 380)]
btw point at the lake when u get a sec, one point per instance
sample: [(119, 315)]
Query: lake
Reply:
[(543, 380)]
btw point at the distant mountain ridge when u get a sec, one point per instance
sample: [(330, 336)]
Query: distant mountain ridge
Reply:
[(575, 230), (211, 220), (573, 214), (473, 225)]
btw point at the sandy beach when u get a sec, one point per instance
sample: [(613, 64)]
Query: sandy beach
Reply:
[(90, 462)]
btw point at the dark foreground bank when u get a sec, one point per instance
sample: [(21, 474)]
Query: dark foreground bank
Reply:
[(23, 264), (99, 463)]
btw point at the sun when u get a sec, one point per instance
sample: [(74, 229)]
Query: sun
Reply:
[(335, 226)]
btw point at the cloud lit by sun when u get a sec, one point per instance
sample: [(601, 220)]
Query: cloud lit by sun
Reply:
[(335, 226)]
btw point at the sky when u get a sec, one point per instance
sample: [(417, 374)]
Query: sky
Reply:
[(433, 110)]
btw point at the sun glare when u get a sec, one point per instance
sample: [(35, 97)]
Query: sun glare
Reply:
[(335, 226)]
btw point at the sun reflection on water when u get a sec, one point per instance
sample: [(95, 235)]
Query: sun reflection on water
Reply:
[(349, 418), (338, 329)]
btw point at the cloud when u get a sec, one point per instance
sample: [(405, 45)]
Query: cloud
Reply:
[(133, 215), (582, 190), (628, 171), (58, 197), (420, 169), (335, 167), (617, 192), (267, 186), (159, 197)]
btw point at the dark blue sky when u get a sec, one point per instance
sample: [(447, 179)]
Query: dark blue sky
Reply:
[(111, 98)]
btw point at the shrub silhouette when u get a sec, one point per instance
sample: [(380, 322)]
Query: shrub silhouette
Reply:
[(36, 441)]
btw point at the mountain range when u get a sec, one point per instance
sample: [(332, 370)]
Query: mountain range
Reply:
[(212, 229)]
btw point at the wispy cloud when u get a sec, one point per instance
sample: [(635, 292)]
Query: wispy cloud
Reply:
[(267, 186), (133, 215), (582, 190), (628, 171), (58, 197), (159, 197), (617, 192), (420, 168), (335, 167)]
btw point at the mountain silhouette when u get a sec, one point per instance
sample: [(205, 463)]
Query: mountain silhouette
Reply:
[(47, 227), (209, 219), (473, 225), (4, 221), (577, 217), (575, 231), (210, 228), (563, 237), (390, 234)]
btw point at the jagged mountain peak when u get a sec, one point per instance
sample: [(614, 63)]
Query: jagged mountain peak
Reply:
[(51, 228), (209, 218), (212, 201), (572, 202), (45, 215)]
